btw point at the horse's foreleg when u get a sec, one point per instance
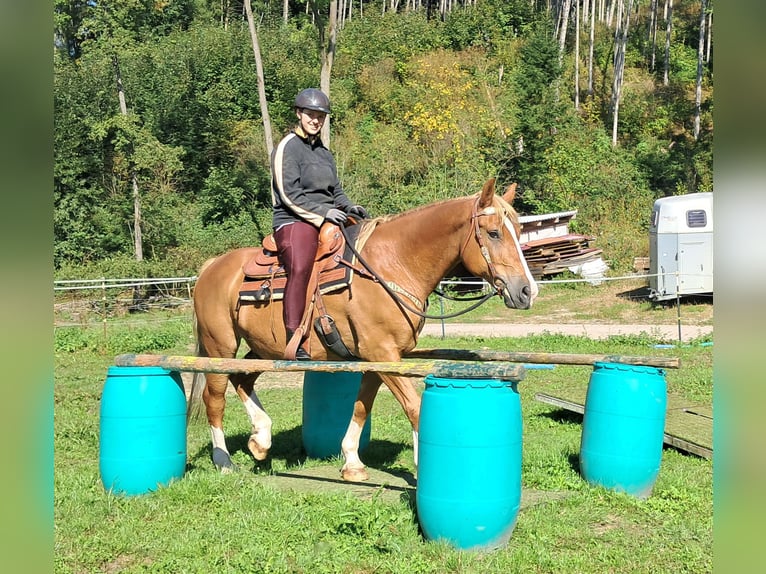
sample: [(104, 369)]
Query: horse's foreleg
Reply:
[(353, 469), (259, 442), (404, 390), (214, 397)]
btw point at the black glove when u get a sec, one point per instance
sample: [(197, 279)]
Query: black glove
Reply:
[(336, 216), (359, 212)]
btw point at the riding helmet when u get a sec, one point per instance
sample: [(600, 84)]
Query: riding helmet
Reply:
[(313, 99)]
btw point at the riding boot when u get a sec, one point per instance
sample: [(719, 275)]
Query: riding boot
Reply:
[(300, 354)]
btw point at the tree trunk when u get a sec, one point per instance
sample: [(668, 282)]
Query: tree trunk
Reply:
[(700, 65), (138, 244), (591, 41), (577, 56), (709, 36), (328, 56), (652, 34), (285, 10), (619, 62), (668, 32), (259, 71)]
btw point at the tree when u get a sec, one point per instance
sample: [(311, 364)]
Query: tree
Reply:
[(261, 83), (668, 33), (327, 47), (620, 41), (700, 69)]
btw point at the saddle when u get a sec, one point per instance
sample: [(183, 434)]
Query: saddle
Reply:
[(334, 265), (265, 276)]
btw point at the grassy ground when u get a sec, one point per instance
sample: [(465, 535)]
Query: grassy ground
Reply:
[(208, 522)]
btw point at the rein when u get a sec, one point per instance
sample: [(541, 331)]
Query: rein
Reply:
[(392, 293)]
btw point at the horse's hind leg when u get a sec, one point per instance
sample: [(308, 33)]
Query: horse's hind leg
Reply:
[(214, 397), (259, 442)]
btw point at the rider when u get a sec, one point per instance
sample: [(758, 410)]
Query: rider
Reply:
[(305, 192)]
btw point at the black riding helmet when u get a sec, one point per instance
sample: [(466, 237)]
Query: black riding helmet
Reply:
[(313, 99)]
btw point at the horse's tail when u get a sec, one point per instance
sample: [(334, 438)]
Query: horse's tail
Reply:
[(195, 404)]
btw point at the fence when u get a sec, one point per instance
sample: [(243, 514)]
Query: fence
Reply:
[(91, 302)]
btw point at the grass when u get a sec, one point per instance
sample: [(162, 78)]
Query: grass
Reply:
[(209, 522)]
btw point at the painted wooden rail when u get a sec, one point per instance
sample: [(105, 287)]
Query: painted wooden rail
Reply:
[(544, 358), (441, 368)]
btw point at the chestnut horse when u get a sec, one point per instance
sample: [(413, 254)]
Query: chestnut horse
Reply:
[(412, 252)]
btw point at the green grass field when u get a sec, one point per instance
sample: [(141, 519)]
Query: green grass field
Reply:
[(208, 522)]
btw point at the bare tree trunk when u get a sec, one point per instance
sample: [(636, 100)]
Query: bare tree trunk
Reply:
[(668, 32), (700, 63), (327, 54), (619, 62), (591, 41), (259, 72), (709, 36), (562, 32), (610, 17), (285, 10), (577, 56), (138, 245), (652, 34)]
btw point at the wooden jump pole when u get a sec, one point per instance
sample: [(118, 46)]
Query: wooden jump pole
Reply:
[(446, 369), (544, 358)]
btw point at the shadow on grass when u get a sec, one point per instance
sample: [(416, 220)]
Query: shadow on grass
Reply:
[(287, 446), (562, 416)]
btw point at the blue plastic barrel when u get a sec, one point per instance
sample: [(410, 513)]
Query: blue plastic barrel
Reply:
[(469, 469), (328, 404), (623, 427), (142, 440)]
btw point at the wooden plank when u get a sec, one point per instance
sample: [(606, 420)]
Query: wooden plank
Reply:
[(384, 484), (546, 358), (447, 369), (685, 428)]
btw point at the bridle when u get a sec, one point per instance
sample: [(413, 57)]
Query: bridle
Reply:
[(497, 283), (475, 232)]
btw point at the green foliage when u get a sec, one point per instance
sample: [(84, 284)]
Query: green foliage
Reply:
[(423, 109), (116, 339), (487, 24)]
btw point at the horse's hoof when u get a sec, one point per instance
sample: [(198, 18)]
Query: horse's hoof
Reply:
[(222, 461), (354, 474), (259, 453)]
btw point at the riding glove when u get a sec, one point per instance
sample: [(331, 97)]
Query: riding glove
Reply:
[(359, 211), (336, 216)]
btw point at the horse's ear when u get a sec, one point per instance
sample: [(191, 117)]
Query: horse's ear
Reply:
[(510, 193), (487, 193)]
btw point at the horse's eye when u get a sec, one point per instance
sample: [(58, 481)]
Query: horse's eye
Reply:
[(493, 234)]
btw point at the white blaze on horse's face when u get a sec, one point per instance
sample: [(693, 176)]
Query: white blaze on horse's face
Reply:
[(522, 259), (528, 293)]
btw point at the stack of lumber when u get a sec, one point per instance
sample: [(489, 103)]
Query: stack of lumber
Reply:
[(556, 254)]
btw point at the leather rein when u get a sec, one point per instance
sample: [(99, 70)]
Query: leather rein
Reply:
[(474, 232)]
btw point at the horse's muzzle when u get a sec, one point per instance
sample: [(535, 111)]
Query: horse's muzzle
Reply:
[(518, 294)]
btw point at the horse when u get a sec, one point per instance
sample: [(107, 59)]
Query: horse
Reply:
[(411, 251)]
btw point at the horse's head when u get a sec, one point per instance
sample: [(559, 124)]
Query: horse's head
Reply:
[(492, 249)]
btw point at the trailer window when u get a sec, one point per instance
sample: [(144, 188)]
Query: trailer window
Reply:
[(696, 218), (655, 217)]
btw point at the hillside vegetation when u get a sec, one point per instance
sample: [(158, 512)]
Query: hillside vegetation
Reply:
[(429, 100)]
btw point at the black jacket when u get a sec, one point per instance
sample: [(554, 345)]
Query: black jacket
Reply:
[(304, 184)]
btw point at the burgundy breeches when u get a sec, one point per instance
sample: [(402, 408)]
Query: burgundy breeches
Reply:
[(297, 247)]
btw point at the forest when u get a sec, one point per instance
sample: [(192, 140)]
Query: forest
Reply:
[(165, 113)]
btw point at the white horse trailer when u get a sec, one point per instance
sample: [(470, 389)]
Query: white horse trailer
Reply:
[(681, 246)]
